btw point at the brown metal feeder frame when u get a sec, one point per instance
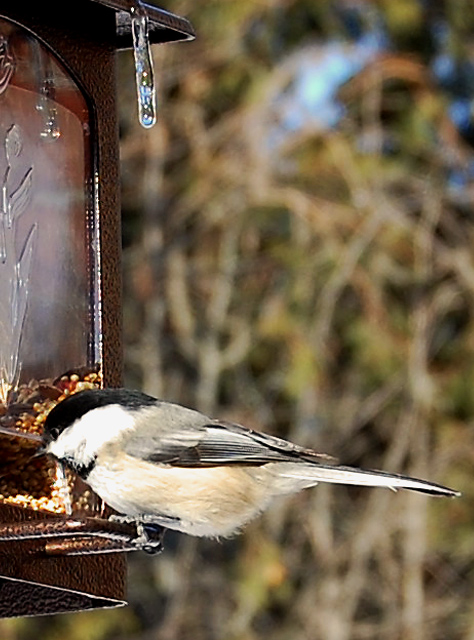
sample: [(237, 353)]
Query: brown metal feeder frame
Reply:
[(50, 561)]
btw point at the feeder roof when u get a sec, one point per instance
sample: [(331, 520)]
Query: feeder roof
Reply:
[(163, 26)]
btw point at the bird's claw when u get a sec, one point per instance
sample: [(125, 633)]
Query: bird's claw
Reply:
[(143, 541), (146, 525)]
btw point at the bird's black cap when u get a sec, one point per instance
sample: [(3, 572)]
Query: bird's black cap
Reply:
[(66, 412)]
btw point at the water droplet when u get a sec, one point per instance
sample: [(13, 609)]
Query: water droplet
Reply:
[(46, 105), (146, 92)]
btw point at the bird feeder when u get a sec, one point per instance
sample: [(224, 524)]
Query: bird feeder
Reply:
[(60, 306)]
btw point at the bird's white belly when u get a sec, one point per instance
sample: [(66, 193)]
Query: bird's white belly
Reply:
[(214, 501)]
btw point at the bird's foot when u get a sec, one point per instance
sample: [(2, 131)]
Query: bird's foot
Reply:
[(150, 530), (151, 545)]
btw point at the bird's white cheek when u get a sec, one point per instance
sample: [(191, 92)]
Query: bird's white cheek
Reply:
[(63, 448), (96, 429), (55, 449)]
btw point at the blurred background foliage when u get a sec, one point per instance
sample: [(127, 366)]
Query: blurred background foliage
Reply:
[(298, 257)]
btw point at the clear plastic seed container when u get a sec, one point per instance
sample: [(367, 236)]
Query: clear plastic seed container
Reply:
[(50, 320)]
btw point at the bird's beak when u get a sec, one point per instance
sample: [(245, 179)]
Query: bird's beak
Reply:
[(40, 451)]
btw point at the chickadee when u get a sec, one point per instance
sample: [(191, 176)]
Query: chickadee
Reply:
[(163, 464)]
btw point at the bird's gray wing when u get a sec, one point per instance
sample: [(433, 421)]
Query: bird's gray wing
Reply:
[(170, 434), (186, 438)]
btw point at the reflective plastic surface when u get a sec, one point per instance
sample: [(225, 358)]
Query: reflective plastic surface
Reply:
[(49, 273), (48, 319)]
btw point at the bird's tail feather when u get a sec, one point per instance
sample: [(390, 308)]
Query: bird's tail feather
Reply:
[(311, 474)]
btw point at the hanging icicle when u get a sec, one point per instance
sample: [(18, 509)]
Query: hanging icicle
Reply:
[(146, 91)]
